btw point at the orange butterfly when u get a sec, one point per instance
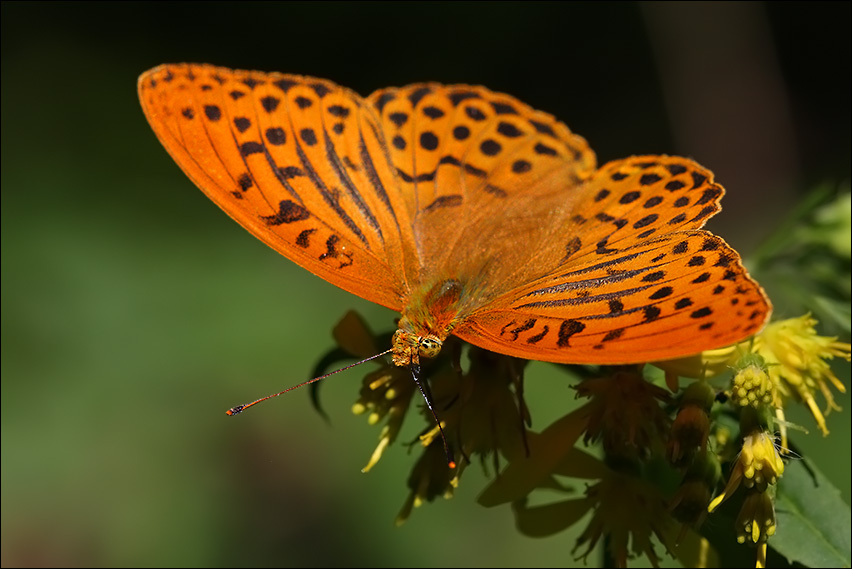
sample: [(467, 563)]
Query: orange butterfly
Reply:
[(465, 210)]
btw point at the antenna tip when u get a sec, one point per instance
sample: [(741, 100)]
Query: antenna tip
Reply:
[(235, 410)]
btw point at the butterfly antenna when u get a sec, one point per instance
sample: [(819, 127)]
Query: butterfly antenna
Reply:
[(415, 373), (240, 408)]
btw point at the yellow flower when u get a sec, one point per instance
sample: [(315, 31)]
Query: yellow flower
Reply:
[(758, 466), (796, 362), (429, 479), (752, 385), (385, 393), (796, 359), (705, 365), (756, 520), (481, 411)]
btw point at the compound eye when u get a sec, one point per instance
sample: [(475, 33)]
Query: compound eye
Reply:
[(430, 346)]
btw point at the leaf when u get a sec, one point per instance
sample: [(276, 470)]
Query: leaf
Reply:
[(813, 520), (547, 450), (543, 521)]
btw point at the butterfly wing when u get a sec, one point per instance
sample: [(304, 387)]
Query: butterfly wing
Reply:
[(637, 280), (476, 168), (299, 162)]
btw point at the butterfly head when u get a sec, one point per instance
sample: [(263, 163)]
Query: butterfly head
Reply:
[(426, 322), (409, 347)]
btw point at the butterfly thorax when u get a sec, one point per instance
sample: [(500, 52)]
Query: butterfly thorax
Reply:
[(426, 322)]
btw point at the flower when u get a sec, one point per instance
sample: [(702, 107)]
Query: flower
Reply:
[(628, 511), (626, 412), (792, 354), (385, 393), (756, 520), (752, 384), (796, 359), (429, 479), (757, 466), (703, 365), (756, 523)]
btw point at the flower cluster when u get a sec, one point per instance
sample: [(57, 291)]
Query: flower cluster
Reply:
[(663, 451)]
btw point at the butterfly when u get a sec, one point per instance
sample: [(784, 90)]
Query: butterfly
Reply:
[(465, 210)]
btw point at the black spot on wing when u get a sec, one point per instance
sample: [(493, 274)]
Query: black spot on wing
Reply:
[(242, 124), (461, 132), (521, 166), (320, 89), (457, 97), (338, 111), (383, 100), (245, 181), (433, 112), (248, 82), (518, 329), (398, 119), (303, 239), (474, 113), (542, 127), (213, 112), (276, 136), (288, 212), (270, 103), (285, 84), (503, 108), (251, 147), (567, 329), (332, 252), (662, 292), (416, 95), (540, 336), (509, 130), (651, 313)]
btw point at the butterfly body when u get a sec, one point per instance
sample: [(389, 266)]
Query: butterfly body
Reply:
[(466, 211)]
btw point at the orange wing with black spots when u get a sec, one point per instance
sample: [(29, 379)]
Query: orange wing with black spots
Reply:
[(639, 281), (298, 161)]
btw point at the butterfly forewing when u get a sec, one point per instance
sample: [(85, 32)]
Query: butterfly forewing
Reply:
[(297, 161)]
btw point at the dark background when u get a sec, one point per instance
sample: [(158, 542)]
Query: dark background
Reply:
[(134, 312)]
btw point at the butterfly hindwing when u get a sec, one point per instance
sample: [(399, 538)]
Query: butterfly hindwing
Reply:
[(639, 280)]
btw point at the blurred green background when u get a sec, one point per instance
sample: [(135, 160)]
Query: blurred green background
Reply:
[(134, 312)]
